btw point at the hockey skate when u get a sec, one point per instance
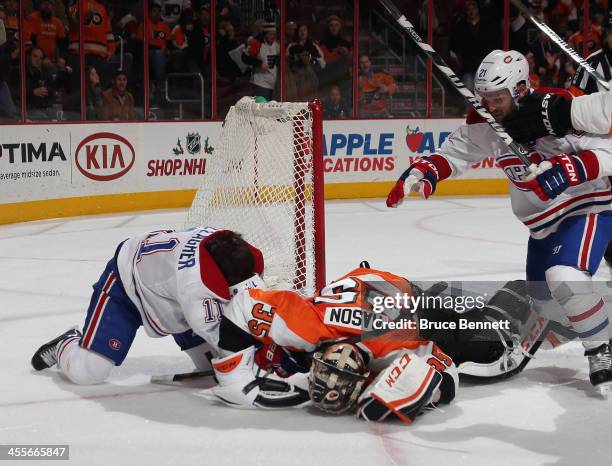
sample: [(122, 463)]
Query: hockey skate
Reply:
[(600, 368), (46, 355)]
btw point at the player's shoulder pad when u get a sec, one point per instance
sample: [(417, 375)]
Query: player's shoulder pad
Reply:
[(473, 117), (566, 94)]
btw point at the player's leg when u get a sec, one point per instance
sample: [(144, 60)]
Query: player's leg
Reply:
[(576, 250), (608, 254), (200, 352), (110, 327)]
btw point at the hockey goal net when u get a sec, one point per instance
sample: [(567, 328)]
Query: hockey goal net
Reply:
[(265, 181)]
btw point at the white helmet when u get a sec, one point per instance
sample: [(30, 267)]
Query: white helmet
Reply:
[(502, 70)]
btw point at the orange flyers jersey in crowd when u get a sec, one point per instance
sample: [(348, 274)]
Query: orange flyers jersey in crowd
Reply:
[(159, 34), (46, 33), (98, 38), (11, 24), (341, 309)]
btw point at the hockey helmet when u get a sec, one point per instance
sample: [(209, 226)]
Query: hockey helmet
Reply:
[(336, 377), (502, 70)]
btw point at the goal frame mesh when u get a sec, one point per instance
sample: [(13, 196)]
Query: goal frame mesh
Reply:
[(303, 195)]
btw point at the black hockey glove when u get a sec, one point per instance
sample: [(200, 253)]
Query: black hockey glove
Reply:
[(539, 115)]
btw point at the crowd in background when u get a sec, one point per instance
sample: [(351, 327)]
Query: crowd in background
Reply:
[(318, 53)]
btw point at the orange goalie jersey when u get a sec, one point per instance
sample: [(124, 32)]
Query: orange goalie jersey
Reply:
[(340, 310)]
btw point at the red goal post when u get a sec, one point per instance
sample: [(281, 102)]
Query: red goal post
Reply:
[(265, 181)]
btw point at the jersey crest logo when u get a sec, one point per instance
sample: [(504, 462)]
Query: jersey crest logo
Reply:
[(114, 344)]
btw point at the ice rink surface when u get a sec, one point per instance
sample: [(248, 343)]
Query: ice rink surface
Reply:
[(548, 414)]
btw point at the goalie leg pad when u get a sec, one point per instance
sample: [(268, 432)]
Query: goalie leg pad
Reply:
[(404, 388)]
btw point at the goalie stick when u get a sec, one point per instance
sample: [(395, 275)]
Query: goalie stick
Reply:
[(169, 379), (564, 46), (439, 62)]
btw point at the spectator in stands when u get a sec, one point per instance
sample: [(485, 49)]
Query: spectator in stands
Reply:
[(374, 90), (593, 39), (598, 15), (290, 28), (93, 90), (546, 58), (227, 67), (567, 73), (171, 10), (534, 78), (11, 26), (58, 6), (304, 62), (2, 28), (117, 102), (564, 11), (522, 31), (262, 54), (98, 39), (46, 31), (124, 26), (337, 55), (180, 40), (472, 38), (38, 91), (160, 35), (8, 110), (228, 10), (198, 49), (334, 105), (302, 42)]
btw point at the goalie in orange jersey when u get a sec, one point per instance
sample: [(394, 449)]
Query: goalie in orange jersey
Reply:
[(343, 339), (328, 336)]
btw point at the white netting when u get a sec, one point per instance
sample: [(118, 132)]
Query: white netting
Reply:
[(259, 182)]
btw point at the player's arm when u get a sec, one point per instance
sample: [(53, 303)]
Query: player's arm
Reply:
[(558, 113), (252, 320), (593, 113), (458, 152)]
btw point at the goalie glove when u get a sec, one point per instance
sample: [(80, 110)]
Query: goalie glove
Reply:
[(404, 388), (243, 385)]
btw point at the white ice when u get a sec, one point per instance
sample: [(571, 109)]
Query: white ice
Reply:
[(546, 415)]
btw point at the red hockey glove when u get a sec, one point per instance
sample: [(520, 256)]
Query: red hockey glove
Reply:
[(560, 172), (422, 176), (271, 357)]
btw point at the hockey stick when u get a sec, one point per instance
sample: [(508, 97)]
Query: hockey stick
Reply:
[(170, 378), (564, 46), (437, 60)]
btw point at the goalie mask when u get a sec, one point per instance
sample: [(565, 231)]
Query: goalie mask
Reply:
[(502, 70), (336, 377)]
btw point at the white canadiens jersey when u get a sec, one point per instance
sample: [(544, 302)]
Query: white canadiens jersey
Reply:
[(476, 140), (162, 275)]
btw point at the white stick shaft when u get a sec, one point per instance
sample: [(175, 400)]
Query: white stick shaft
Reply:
[(552, 35)]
